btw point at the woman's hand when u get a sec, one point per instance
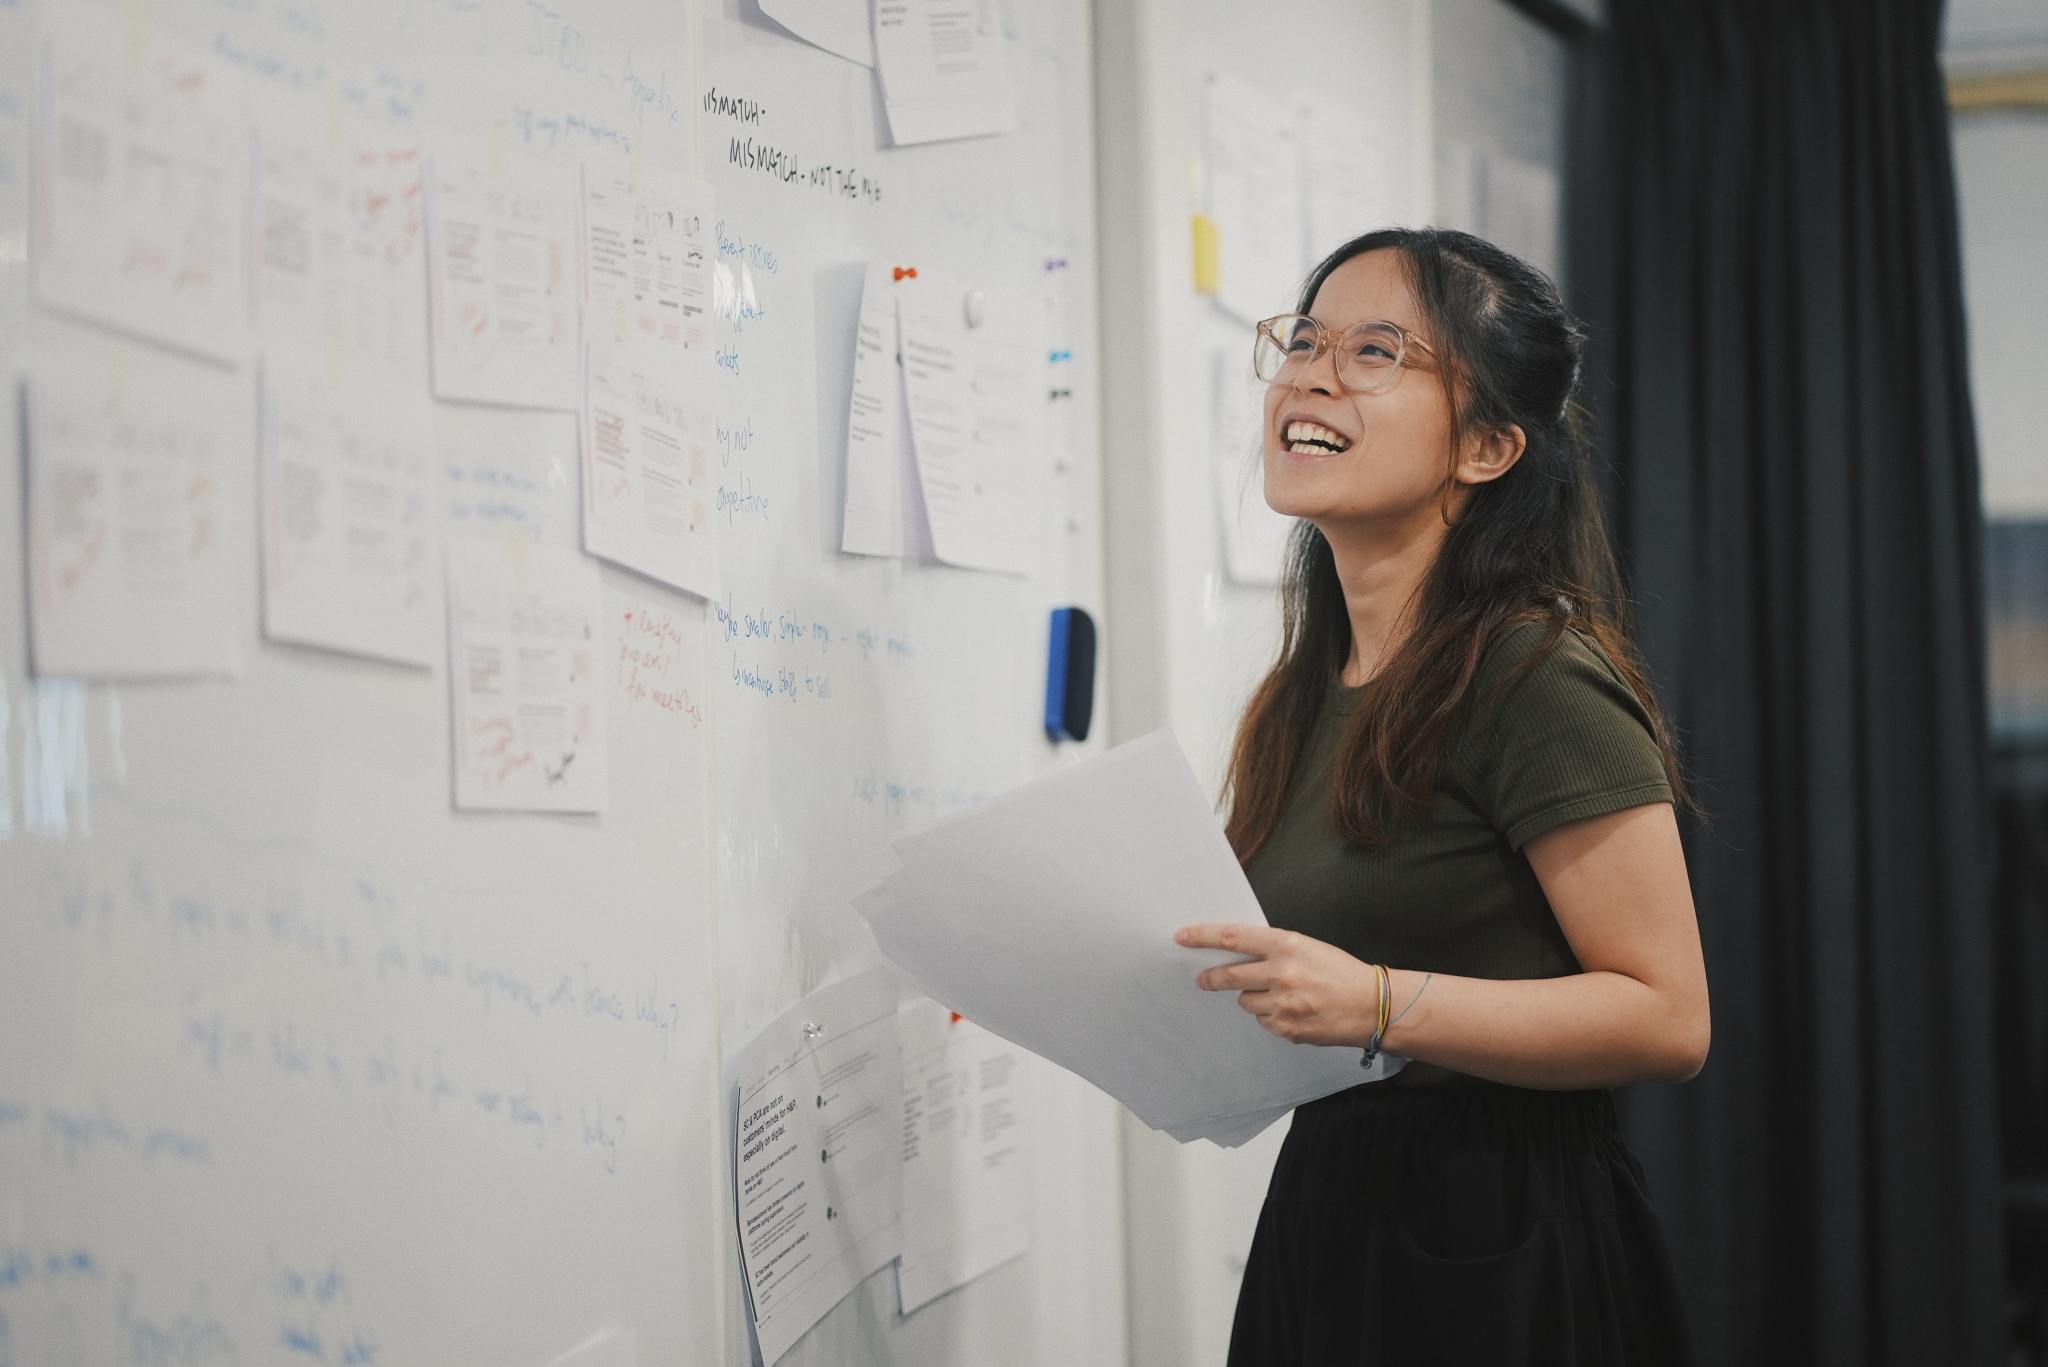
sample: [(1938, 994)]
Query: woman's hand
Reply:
[(1300, 989)]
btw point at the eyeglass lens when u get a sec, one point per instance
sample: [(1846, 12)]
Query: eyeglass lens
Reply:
[(1367, 353)]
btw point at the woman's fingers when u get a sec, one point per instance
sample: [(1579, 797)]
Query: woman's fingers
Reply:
[(1244, 939), (1254, 973)]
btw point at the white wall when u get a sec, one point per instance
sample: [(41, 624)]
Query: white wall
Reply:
[(1497, 81), (2002, 202)]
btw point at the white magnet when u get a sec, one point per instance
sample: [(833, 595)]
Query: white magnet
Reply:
[(975, 308)]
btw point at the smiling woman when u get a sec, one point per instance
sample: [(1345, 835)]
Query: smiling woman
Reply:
[(1454, 795)]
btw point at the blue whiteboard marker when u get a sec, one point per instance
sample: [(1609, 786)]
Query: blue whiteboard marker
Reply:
[(1070, 675)]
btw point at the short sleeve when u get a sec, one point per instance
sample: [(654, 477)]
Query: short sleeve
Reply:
[(1568, 741)]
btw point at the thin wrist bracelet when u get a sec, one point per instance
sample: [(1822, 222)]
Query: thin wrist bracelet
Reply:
[(1372, 1050)]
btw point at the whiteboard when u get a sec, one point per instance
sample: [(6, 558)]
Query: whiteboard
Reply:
[(299, 1063)]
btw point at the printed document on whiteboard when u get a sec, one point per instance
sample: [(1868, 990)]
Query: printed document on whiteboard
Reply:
[(944, 73), (966, 1153), (975, 405), (838, 26), (351, 543), (1344, 179), (884, 509), (647, 427), (1254, 536), (817, 1154), (141, 179), (340, 241), (133, 484), (1254, 197), (529, 702), (501, 276)]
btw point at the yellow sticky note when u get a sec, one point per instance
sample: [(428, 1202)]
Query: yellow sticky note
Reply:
[(139, 25), (1205, 254)]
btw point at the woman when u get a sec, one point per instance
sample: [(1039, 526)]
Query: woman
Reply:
[(1456, 773)]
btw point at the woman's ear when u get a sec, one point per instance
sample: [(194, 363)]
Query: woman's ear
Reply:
[(1492, 452)]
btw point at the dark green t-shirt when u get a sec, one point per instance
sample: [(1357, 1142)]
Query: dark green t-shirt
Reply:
[(1452, 892)]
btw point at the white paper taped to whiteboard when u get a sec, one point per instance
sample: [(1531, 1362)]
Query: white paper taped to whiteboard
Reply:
[(648, 432), (142, 172), (134, 463), (944, 70), (339, 241), (529, 704), (501, 256), (839, 26), (351, 545), (976, 416)]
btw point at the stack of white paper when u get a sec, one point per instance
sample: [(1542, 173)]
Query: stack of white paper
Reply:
[(1047, 916)]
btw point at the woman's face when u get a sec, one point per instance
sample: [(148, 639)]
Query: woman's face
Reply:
[(1396, 442)]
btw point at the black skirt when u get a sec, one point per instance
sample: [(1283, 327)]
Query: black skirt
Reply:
[(1455, 1226)]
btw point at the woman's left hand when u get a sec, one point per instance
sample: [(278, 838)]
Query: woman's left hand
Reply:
[(1301, 989)]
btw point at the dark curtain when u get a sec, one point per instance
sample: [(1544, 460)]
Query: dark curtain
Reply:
[(1764, 240)]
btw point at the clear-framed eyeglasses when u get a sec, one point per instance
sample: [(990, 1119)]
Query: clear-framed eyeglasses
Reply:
[(1369, 355)]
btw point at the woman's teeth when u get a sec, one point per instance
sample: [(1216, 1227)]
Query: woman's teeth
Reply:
[(1314, 439)]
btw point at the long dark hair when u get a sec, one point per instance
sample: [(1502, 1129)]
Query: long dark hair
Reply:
[(1531, 545)]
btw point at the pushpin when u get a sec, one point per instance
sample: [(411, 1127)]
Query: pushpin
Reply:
[(975, 307), (1062, 394), (910, 271), (1055, 263), (1063, 356)]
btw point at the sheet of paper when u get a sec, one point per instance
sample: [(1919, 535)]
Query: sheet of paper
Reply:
[(975, 401), (966, 1161), (132, 459), (501, 259), (1228, 1132), (1345, 189), (340, 241), (817, 1154), (647, 249), (647, 429), (1254, 197), (1072, 957), (351, 553), (838, 26), (944, 72), (884, 510), (1254, 536), (141, 174), (528, 687)]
